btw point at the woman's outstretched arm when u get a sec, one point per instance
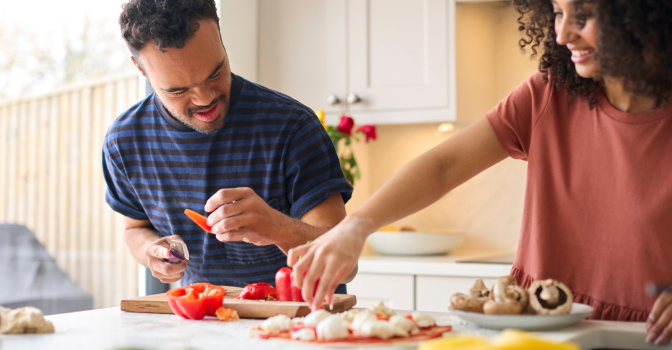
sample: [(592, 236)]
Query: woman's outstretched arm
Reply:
[(423, 181)]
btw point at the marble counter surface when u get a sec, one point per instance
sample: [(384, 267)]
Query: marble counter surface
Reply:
[(113, 329)]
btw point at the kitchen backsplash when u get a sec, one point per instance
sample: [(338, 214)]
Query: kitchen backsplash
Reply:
[(488, 207)]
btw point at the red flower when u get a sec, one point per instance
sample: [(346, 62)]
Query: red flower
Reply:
[(345, 125), (369, 131)]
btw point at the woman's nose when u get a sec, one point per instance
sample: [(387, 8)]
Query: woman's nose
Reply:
[(565, 30)]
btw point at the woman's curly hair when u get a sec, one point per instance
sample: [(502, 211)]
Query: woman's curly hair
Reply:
[(165, 23), (634, 42)]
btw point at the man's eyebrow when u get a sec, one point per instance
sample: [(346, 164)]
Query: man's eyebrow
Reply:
[(175, 89)]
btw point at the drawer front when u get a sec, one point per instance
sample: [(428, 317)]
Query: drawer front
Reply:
[(396, 291), (433, 293)]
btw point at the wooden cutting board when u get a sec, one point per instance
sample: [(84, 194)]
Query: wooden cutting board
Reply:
[(158, 304)]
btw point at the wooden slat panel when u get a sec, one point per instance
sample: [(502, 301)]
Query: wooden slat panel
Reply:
[(63, 183), (12, 148), (108, 233), (84, 202), (42, 205), (4, 160), (52, 171), (51, 180), (22, 164), (32, 173), (97, 191)]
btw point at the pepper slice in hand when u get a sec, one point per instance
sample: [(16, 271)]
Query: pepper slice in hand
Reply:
[(195, 301), (286, 289), (259, 291), (199, 219)]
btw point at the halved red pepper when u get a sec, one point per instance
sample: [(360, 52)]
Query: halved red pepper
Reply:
[(285, 287), (261, 290), (195, 301)]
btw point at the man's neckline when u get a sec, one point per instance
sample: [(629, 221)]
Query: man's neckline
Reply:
[(236, 86)]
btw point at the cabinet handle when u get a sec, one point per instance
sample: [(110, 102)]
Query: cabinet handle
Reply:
[(353, 98), (333, 100)]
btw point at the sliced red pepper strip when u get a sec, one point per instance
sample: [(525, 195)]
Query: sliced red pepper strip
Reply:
[(196, 300), (258, 291), (199, 219)]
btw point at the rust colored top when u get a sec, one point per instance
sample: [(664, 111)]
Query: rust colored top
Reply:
[(598, 201)]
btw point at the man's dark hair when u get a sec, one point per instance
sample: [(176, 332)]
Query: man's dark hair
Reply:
[(164, 23), (634, 42)]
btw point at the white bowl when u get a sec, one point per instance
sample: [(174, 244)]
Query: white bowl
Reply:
[(414, 243), (527, 322)]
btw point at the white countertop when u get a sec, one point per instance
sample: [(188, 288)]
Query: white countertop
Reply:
[(113, 329), (441, 265)]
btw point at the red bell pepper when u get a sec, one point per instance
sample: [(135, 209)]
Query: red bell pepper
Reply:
[(286, 289), (258, 291), (195, 301), (199, 219)]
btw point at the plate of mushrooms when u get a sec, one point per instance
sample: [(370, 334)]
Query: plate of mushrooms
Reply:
[(545, 305)]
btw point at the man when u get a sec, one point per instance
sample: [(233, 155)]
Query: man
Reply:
[(258, 161)]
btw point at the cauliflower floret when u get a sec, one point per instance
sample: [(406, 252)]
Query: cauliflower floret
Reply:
[(277, 324), (349, 315), (379, 329), (380, 309), (423, 320), (360, 318), (403, 325), (314, 318), (304, 334), (332, 328)]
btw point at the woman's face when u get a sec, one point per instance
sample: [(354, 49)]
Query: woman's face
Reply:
[(581, 41)]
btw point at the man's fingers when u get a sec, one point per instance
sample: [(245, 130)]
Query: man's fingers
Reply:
[(231, 224), (226, 195), (157, 251), (231, 236), (225, 211)]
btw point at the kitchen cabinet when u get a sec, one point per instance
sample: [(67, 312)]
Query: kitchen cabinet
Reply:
[(433, 293), (396, 291), (382, 61)]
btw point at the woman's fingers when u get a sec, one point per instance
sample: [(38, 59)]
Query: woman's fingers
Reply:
[(327, 280), (663, 301), (312, 273), (661, 323)]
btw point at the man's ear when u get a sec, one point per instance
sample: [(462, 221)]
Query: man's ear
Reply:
[(138, 66)]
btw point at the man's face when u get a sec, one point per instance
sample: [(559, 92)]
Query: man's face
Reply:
[(193, 82)]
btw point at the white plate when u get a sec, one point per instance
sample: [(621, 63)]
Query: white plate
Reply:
[(527, 322), (414, 243)]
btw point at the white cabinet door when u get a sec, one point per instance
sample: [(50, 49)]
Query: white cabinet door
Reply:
[(398, 54), (302, 50), (396, 291), (433, 293)]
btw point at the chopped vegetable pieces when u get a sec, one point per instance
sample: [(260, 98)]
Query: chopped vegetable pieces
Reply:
[(195, 301), (227, 314)]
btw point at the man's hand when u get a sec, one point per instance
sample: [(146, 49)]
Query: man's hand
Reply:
[(157, 252), (659, 324), (239, 214), (332, 257)]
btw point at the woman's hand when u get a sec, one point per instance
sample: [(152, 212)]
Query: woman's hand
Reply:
[(659, 324), (331, 257)]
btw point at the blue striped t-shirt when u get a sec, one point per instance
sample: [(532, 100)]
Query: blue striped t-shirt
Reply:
[(155, 167)]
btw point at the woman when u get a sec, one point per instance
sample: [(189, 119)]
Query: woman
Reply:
[(595, 125)]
